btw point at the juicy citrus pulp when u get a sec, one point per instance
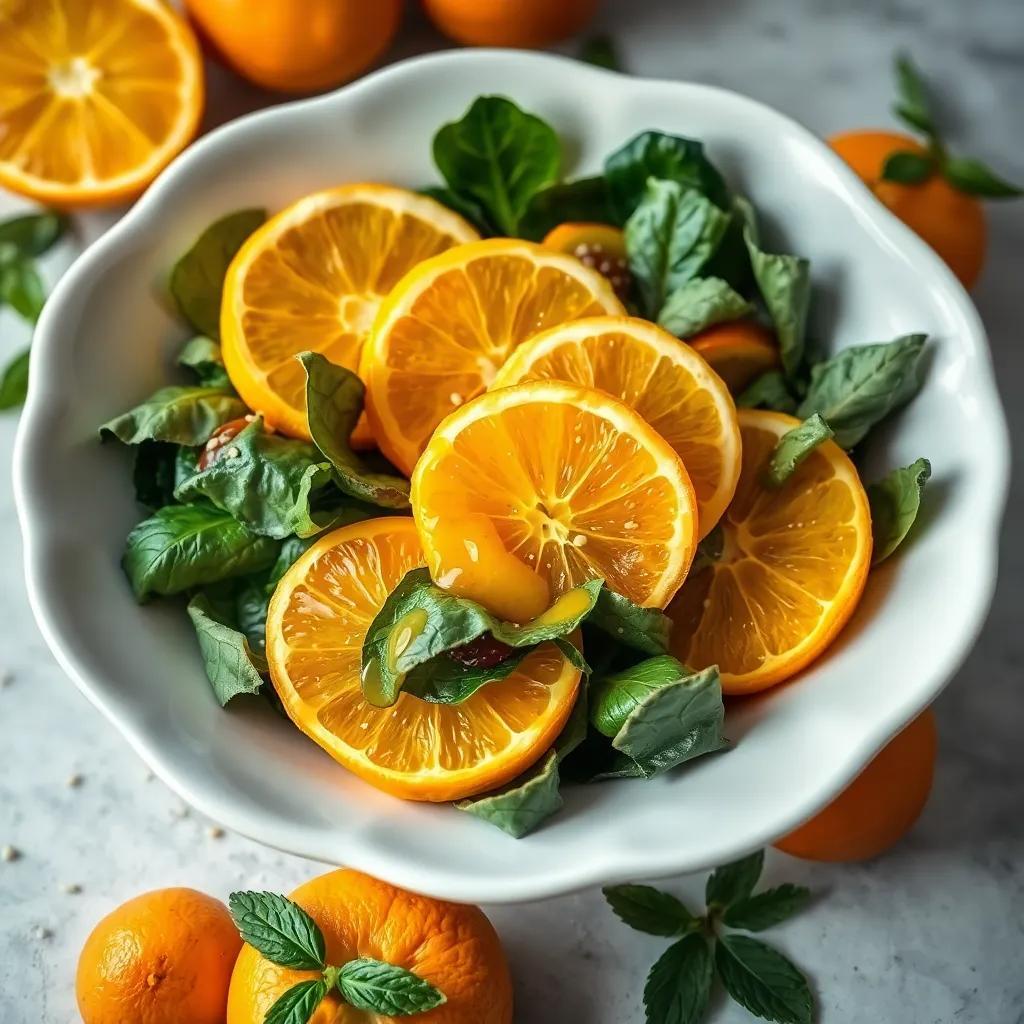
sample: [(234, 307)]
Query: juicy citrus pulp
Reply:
[(739, 352), (598, 246)]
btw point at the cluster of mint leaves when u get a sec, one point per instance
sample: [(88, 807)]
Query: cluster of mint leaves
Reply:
[(22, 240), (285, 934), (753, 973)]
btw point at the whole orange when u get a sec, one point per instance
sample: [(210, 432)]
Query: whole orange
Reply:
[(950, 221), (162, 958), (451, 945), (298, 47), (879, 807), (522, 23)]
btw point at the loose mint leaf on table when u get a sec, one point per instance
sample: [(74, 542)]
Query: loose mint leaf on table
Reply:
[(907, 167), (650, 910), (735, 881), (585, 199), (768, 908), (381, 988), (498, 157), (279, 930), (678, 987), (643, 629), (973, 177), (180, 415), (462, 205), (701, 303), (231, 665), (912, 106), (769, 391), (154, 473), (861, 385), (197, 279), (762, 980), (334, 401), (602, 52), (670, 236), (794, 446), (22, 288), (895, 501), (203, 357), (184, 546), (297, 1004), (14, 381), (32, 234)]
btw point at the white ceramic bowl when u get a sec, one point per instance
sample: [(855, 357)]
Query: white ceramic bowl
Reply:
[(105, 341)]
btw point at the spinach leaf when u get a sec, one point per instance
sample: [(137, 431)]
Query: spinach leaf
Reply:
[(185, 546), (334, 400), (585, 199), (464, 207), (291, 550), (22, 288), (895, 501), (769, 391), (203, 357), (860, 386), (14, 381), (197, 279), (443, 680), (793, 447), (670, 236), (32, 234), (498, 156), (153, 473), (701, 303), (615, 697), (251, 604), (181, 415), (522, 805), (643, 629), (231, 665)]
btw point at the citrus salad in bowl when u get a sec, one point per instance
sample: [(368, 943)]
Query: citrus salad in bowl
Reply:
[(513, 481)]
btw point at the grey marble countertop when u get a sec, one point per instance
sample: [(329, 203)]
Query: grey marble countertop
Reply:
[(931, 932)]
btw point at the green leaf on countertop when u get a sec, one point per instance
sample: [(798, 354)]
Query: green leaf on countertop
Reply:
[(769, 391), (279, 930), (298, 1004), (793, 447), (153, 473), (14, 381), (766, 909), (380, 988), (762, 980), (643, 629), (334, 401), (585, 199), (912, 105), (601, 51), (699, 304), (861, 385), (734, 881), (976, 179), (650, 910), (678, 987), (895, 502), (498, 157), (203, 357), (908, 167), (22, 288), (524, 804), (197, 279), (466, 208), (232, 666), (32, 234), (180, 415)]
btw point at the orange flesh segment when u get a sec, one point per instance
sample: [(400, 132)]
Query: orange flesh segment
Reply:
[(738, 352)]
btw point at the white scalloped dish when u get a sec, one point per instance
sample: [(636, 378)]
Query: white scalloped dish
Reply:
[(105, 340)]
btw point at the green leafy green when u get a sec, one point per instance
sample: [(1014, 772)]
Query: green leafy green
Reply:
[(203, 357), (385, 989), (912, 106), (22, 288), (153, 473), (678, 987), (601, 51), (279, 930), (444, 680), (973, 177), (181, 415), (895, 501), (615, 697), (32, 234), (585, 199), (907, 167), (734, 881), (769, 391), (463, 206), (793, 447), (14, 381), (231, 665), (766, 909), (498, 157), (643, 629), (297, 1004), (762, 980), (650, 910), (861, 385), (701, 303), (524, 804), (197, 279)]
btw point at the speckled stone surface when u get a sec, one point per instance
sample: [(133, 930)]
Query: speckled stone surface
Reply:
[(933, 932)]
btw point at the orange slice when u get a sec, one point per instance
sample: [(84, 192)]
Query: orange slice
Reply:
[(793, 565), (598, 246), (575, 484), (317, 619), (312, 278), (739, 352), (96, 97), (660, 377), (451, 322)]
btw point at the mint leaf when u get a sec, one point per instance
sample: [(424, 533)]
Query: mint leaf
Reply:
[(912, 106), (602, 52), (498, 157), (701, 303), (907, 167), (203, 357), (22, 288), (14, 381), (585, 199), (733, 882), (377, 987), (895, 501), (522, 805), (297, 1004), (197, 279), (32, 234), (180, 415), (762, 980), (231, 665), (861, 385), (650, 910), (643, 629), (768, 908), (678, 986), (279, 930), (793, 447), (974, 178), (615, 697), (769, 391)]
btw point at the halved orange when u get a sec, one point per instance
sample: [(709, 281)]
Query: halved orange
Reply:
[(451, 322), (96, 97), (660, 377), (316, 623), (312, 278), (575, 484), (793, 566), (738, 351)]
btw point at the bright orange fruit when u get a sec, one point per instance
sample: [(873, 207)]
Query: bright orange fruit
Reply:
[(739, 352), (601, 247)]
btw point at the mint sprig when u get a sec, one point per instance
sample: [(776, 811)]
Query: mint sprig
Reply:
[(378, 987), (280, 929), (754, 974)]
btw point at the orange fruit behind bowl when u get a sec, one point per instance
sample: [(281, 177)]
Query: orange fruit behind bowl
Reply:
[(521, 23)]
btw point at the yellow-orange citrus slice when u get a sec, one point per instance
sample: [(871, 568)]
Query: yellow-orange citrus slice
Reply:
[(317, 619), (660, 377), (575, 484), (599, 246), (96, 97), (452, 321), (312, 278), (739, 352), (792, 568)]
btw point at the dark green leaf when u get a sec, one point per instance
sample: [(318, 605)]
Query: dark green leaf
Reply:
[(907, 167), (290, 551), (678, 986), (185, 546), (153, 473), (602, 52), (186, 464), (709, 550), (860, 386), (585, 199), (650, 910), (251, 606), (231, 665), (203, 357), (181, 415), (734, 881), (197, 279), (768, 908), (297, 1004), (279, 930), (762, 980), (895, 501), (643, 629), (769, 391), (443, 680), (377, 987), (657, 155), (793, 447), (912, 104), (462, 205), (22, 288), (701, 303), (523, 804), (334, 400), (498, 156), (974, 178), (32, 234), (670, 236), (615, 697), (14, 381)]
